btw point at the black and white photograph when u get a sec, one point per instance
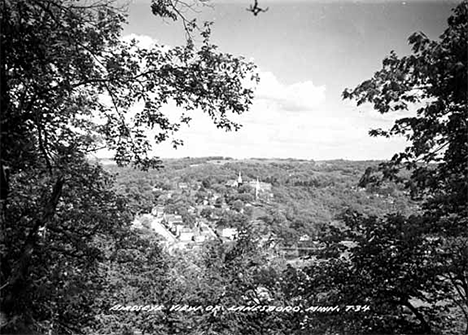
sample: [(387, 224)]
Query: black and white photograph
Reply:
[(234, 167)]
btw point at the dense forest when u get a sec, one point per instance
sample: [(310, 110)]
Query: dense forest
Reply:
[(216, 245)]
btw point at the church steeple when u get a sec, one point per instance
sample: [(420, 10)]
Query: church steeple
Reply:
[(257, 189), (239, 180)]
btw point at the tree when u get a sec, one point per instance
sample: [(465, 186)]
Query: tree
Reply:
[(206, 212), (52, 247), (137, 273), (237, 205), (69, 86), (55, 50), (433, 82)]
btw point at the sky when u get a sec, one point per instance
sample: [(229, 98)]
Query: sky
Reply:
[(307, 53)]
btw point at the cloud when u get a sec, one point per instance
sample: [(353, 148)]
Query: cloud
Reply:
[(143, 41), (270, 131), (295, 97), (285, 121)]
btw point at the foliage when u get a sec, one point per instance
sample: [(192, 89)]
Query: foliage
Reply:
[(51, 248), (434, 81), (70, 84), (422, 257), (136, 273), (63, 57)]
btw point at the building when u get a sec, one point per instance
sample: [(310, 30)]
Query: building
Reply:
[(186, 235), (158, 211), (239, 180), (183, 186), (152, 222), (175, 235), (235, 182), (228, 233), (172, 219), (261, 188)]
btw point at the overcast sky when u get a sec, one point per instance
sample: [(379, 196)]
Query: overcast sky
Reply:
[(307, 53)]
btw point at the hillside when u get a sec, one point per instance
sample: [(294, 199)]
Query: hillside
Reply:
[(289, 200)]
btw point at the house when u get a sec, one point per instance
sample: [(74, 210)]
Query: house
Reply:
[(228, 233), (158, 211), (231, 183), (183, 186), (304, 238), (200, 238), (172, 219), (136, 224), (191, 210), (186, 235)]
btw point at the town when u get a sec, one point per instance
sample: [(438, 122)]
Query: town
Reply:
[(177, 234)]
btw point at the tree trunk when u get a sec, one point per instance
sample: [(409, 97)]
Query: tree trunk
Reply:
[(426, 328)]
